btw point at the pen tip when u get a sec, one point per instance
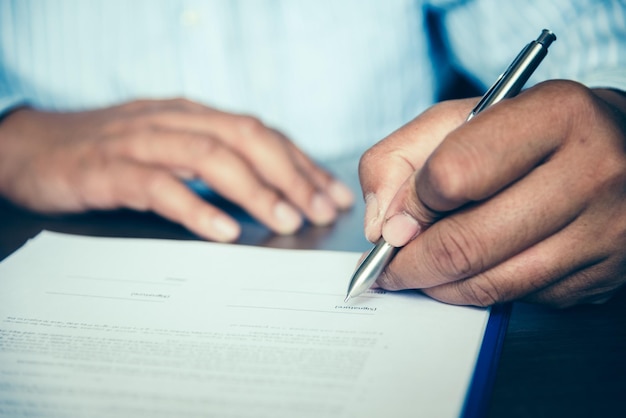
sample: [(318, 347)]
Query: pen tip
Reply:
[(346, 299)]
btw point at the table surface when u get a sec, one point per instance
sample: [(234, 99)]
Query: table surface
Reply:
[(569, 363)]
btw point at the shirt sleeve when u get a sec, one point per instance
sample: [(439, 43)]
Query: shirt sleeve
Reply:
[(483, 36), (8, 102), (9, 98)]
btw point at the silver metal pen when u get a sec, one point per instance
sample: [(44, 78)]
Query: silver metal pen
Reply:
[(507, 85)]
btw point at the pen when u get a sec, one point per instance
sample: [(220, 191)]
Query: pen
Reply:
[(507, 85)]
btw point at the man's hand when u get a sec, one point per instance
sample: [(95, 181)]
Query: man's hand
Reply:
[(136, 154), (525, 201)]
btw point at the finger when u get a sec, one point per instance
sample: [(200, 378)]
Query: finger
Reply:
[(381, 173), (388, 164), (481, 236), (463, 250), (476, 161), (541, 274), (339, 193), (264, 151), (527, 273), (219, 167), (594, 285), (140, 187)]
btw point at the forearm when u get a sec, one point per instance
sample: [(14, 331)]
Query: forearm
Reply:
[(26, 135)]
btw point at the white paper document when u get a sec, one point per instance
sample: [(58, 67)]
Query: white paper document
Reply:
[(114, 327)]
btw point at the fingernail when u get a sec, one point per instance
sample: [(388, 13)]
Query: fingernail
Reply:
[(288, 218), (222, 228), (400, 229), (372, 229), (323, 209), (341, 195)]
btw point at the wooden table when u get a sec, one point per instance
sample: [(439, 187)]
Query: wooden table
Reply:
[(569, 363)]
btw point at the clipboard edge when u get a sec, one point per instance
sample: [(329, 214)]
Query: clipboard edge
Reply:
[(481, 386)]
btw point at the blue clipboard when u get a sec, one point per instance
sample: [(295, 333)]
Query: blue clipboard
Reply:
[(480, 389)]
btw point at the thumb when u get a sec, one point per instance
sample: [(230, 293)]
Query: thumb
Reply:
[(380, 183), (407, 215), (387, 169)]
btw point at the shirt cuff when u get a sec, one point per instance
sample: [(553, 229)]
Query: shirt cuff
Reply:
[(8, 103)]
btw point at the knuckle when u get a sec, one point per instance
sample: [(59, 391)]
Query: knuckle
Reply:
[(250, 125), (129, 128), (575, 91), (368, 157), (367, 160), (375, 162), (364, 164), (591, 285), (115, 128), (577, 98), (180, 102), (482, 292), (128, 144), (203, 146), (390, 280), (296, 183), (456, 251), (155, 184), (183, 105), (262, 196), (145, 106), (448, 173), (548, 297), (135, 105), (608, 174)]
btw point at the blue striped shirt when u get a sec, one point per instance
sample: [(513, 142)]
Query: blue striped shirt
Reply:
[(335, 76)]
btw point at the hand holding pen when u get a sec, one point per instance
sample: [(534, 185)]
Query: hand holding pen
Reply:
[(507, 85), (525, 201)]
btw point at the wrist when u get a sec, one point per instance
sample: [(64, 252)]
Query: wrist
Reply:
[(13, 142)]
